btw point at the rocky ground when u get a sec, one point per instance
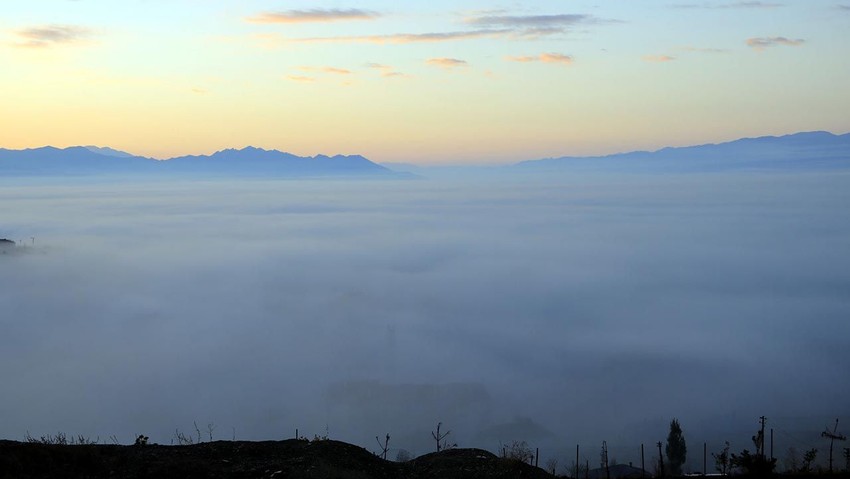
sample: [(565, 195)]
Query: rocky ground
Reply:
[(238, 459)]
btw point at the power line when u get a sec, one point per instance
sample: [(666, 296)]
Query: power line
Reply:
[(796, 439), (833, 436)]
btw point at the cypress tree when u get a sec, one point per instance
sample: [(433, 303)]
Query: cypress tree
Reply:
[(676, 450)]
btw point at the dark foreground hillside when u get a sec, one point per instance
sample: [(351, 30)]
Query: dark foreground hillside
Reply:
[(231, 459)]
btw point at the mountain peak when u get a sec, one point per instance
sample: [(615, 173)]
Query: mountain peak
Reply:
[(106, 151)]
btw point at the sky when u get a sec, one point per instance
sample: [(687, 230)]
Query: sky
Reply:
[(438, 82), (560, 311)]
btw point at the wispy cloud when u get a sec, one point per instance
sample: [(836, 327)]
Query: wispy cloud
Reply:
[(332, 70), (531, 26), (484, 11), (316, 15), (51, 35), (760, 43), (845, 8), (525, 59), (447, 62), (386, 71), (558, 58), (301, 79), (401, 38), (704, 50), (706, 5), (658, 58), (562, 20), (523, 27)]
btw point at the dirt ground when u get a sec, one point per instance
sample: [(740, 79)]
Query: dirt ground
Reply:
[(237, 459)]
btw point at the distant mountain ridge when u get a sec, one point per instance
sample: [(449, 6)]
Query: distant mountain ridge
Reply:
[(818, 149), (106, 151), (249, 161), (798, 151)]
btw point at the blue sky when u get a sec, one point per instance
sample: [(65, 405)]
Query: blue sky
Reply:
[(427, 82)]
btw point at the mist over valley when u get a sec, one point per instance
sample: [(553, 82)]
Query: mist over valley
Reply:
[(557, 309)]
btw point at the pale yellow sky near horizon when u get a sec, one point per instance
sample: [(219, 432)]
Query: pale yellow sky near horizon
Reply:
[(446, 82)]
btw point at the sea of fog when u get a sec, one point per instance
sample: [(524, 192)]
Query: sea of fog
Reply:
[(557, 311)]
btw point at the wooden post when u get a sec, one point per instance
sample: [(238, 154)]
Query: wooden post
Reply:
[(577, 464), (660, 461), (832, 437)]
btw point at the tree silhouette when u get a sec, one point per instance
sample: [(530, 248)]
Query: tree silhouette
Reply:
[(721, 459), (676, 450), (808, 458), (753, 464), (440, 438)]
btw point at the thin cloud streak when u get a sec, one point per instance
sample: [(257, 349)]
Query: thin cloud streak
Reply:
[(494, 27), (405, 38), (563, 20), (386, 71), (447, 62), (315, 15), (535, 26), (301, 78), (704, 50), (760, 43), (51, 35), (526, 59), (709, 6), (558, 58), (331, 70), (658, 58)]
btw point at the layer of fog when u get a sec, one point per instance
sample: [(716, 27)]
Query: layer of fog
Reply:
[(555, 311)]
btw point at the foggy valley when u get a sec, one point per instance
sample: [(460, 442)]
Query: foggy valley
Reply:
[(557, 309), (424, 240)]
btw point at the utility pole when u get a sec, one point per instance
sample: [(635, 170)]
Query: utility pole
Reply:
[(660, 460), (761, 436), (642, 463), (577, 464), (704, 458), (605, 459), (833, 436)]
